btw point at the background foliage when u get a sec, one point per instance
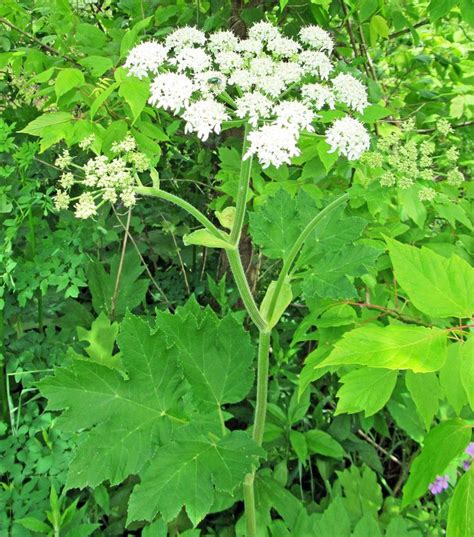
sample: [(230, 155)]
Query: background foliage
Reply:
[(352, 443)]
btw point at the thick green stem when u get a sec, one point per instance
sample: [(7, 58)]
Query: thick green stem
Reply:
[(249, 503), (262, 386), (241, 202), (157, 193), (295, 249), (244, 290)]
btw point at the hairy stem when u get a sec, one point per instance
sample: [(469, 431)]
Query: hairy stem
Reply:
[(241, 203), (262, 386), (244, 289), (295, 249), (249, 503)]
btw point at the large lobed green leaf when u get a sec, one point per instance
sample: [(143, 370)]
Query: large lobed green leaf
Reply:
[(149, 422)]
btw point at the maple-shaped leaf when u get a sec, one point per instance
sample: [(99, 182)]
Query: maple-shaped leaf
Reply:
[(122, 417), (331, 275), (190, 472), (276, 225), (216, 354)]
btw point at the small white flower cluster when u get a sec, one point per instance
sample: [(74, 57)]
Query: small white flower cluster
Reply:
[(106, 180), (277, 83)]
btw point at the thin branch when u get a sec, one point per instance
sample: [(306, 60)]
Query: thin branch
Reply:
[(380, 448), (148, 271), (42, 45), (113, 302), (406, 30)]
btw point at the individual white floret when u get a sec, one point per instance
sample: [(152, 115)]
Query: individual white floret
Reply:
[(294, 115), (273, 145), (318, 95), (187, 36), (223, 41), (66, 181), (229, 61), (262, 66), (250, 47), (285, 47), (243, 79), (315, 63), (263, 31), (317, 38), (171, 91), (255, 106), (146, 58), (204, 117), (61, 200), (194, 59), (290, 72), (85, 206), (350, 91), (348, 136), (273, 85)]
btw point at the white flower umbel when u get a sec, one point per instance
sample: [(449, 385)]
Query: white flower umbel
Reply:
[(283, 47), (146, 58), (171, 91), (350, 91), (264, 31), (294, 115), (273, 145), (254, 106), (223, 41), (204, 117), (194, 59), (348, 136), (315, 63), (61, 200), (185, 37), (317, 38), (318, 95), (268, 78)]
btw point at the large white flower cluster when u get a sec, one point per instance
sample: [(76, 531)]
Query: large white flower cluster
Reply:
[(277, 83)]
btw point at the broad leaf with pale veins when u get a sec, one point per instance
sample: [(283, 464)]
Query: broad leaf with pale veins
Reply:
[(216, 354), (123, 416), (391, 347), (187, 472), (438, 286)]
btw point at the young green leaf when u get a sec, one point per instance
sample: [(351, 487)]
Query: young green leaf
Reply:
[(365, 390), (323, 443), (467, 369), (442, 444), (437, 286), (68, 79), (461, 508), (391, 347), (425, 391), (451, 377)]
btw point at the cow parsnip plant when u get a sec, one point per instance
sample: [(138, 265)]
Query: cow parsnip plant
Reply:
[(354, 271), (270, 86)]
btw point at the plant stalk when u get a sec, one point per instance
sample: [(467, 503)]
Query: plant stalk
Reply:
[(295, 249), (176, 200)]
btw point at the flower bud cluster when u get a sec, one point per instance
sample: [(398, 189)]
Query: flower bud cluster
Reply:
[(405, 158), (102, 179), (276, 83)]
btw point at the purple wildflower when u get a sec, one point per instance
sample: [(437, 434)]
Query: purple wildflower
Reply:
[(466, 464), (439, 484), (470, 449)]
